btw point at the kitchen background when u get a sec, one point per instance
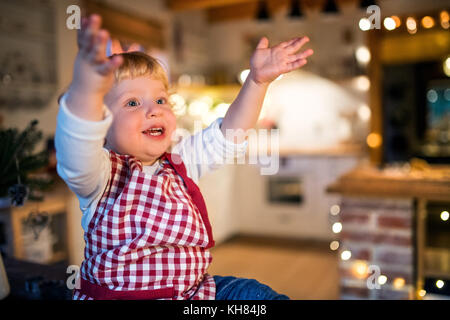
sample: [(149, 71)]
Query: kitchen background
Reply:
[(364, 132)]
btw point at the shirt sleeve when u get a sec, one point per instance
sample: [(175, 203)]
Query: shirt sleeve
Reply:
[(82, 162), (208, 150)]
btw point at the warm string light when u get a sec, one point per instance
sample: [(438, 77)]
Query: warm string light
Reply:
[(374, 140), (360, 269), (337, 227), (363, 55), (361, 83), (185, 80), (446, 66), (397, 20), (394, 22), (444, 215), (440, 284), (334, 211), (411, 25), (382, 279), (202, 108), (445, 19), (345, 255), (364, 24), (427, 22), (178, 104), (243, 75), (364, 112), (398, 283), (389, 24), (334, 245)]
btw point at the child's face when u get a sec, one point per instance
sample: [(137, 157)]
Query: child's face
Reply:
[(138, 105)]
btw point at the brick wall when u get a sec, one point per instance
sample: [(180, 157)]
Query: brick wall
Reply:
[(378, 234)]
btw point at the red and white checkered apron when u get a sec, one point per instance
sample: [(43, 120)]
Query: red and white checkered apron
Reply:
[(149, 236)]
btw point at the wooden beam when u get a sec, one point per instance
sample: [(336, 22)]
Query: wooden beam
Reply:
[(180, 5), (247, 9), (127, 27), (234, 12), (243, 10)]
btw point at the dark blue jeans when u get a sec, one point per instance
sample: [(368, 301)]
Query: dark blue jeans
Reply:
[(232, 288)]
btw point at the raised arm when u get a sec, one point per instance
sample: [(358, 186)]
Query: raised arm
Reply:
[(93, 71), (266, 64), (83, 120)]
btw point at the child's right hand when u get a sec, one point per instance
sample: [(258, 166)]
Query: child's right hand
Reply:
[(93, 70)]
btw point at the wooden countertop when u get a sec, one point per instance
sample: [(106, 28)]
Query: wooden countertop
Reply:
[(426, 182), (339, 151), (350, 150)]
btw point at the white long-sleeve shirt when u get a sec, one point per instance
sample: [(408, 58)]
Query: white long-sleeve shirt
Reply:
[(84, 164)]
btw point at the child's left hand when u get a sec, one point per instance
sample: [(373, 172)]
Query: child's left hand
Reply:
[(268, 63)]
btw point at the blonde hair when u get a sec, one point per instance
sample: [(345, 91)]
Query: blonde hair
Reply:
[(138, 64)]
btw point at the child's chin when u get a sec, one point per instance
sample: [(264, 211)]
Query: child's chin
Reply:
[(157, 151)]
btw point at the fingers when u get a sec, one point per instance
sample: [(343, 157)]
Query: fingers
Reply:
[(92, 31), (97, 53), (87, 34), (93, 42), (110, 65), (299, 60), (296, 64), (296, 44), (80, 32), (287, 43), (302, 55), (263, 43)]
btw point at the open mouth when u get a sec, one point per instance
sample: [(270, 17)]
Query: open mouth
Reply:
[(154, 132)]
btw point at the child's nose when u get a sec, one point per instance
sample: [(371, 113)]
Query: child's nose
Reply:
[(153, 110)]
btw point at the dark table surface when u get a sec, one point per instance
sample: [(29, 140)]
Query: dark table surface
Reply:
[(33, 281)]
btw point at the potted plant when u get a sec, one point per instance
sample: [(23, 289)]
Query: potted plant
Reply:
[(17, 162), (17, 184)]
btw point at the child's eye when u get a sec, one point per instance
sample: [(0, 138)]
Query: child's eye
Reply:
[(161, 101), (132, 103)]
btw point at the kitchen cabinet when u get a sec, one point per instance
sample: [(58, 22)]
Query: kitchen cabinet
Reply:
[(308, 219)]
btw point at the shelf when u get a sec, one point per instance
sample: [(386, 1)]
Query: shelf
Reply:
[(431, 184), (437, 274), (55, 206), (58, 257)]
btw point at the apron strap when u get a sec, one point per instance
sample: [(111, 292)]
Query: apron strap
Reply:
[(99, 292), (193, 190)]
